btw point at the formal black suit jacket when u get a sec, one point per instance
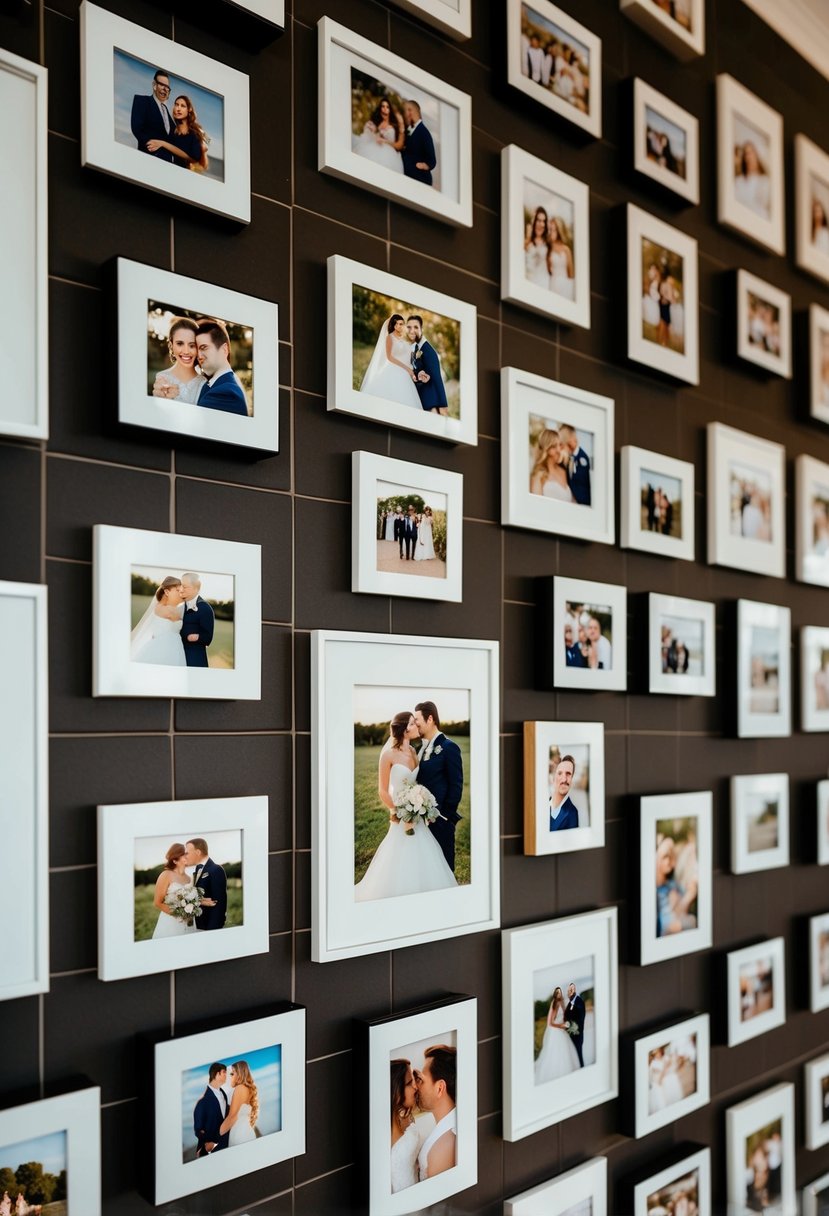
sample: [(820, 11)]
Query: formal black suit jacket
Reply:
[(198, 620), (432, 394), (213, 882), (574, 1012), (419, 147), (225, 394), (442, 773), (207, 1119), (146, 123), (399, 527)]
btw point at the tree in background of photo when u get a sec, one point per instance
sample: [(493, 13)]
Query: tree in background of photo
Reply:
[(159, 317), (384, 505)]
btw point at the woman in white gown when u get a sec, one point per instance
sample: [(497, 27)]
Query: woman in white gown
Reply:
[(561, 260), (172, 878), (408, 860), (182, 381), (752, 185), (537, 250), (389, 532), (547, 474), (558, 1056), (240, 1120), (157, 636), (425, 547), (650, 297), (407, 1134), (390, 373), (382, 138)]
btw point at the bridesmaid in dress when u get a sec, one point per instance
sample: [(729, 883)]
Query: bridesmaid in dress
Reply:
[(561, 259)]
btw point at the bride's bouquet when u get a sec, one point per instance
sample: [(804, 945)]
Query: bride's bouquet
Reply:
[(185, 903), (414, 803)]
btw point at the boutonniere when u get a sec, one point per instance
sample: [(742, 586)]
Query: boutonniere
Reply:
[(419, 354), (437, 750)]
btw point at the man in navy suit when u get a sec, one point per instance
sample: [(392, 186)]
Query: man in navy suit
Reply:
[(578, 468), (213, 881), (221, 389), (563, 813), (197, 624), (441, 771), (400, 529), (150, 118), (210, 1111), (418, 153), (573, 656), (426, 367), (410, 534)]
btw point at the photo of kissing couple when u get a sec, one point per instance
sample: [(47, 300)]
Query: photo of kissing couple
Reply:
[(424, 1121), (563, 1020), (561, 460), (197, 360), (400, 133), (180, 888), (181, 620), (228, 1104)]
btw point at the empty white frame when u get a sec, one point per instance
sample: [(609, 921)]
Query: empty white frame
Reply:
[(657, 504), (811, 480), (764, 680), (755, 990), (819, 962), (545, 238), (764, 325), (564, 72), (673, 163), (747, 1125), (819, 363), (695, 1169), (814, 678), (567, 832), (811, 197), (583, 1188), (746, 501), (662, 296), (676, 915), (452, 17), (759, 822), (681, 31), (600, 661), (68, 1126), (446, 117), (692, 1036), (750, 182), (681, 646)]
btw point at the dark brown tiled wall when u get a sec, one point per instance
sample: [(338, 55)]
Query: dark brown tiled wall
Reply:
[(296, 505)]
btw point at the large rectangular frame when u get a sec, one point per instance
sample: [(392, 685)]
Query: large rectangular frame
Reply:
[(750, 724), (645, 1123), (641, 225), (78, 1114), (744, 1119), (741, 1032), (653, 807), (633, 460), (725, 444), (590, 121), (770, 233)]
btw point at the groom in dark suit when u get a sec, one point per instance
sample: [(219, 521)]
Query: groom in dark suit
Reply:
[(197, 624), (221, 390), (410, 534), (211, 877), (150, 118), (400, 529), (210, 1111), (574, 1012), (426, 367), (418, 153), (441, 771)]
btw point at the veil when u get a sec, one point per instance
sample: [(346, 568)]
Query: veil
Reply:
[(143, 631), (377, 359)]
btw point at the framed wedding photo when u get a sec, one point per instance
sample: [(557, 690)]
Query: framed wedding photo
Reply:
[(452, 17), (764, 325), (671, 1073), (662, 297), (687, 1181), (563, 787), (755, 990), (675, 875), (587, 633), (545, 238), (665, 141), (24, 317), (163, 116), (760, 1152), (819, 962), (406, 529), (410, 725), (390, 127), (814, 678), (561, 1020), (759, 822), (811, 479), (764, 681), (175, 616), (239, 1087), (557, 458), (556, 61), (811, 194), (401, 354), (681, 646), (815, 1197), (52, 1151), (583, 1189), (24, 786), (746, 501), (679, 25), (822, 794), (175, 334), (657, 504), (423, 1066), (750, 182), (818, 363)]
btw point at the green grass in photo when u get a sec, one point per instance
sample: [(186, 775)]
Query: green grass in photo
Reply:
[(146, 913)]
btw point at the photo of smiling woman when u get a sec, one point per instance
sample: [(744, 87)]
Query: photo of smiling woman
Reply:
[(199, 360)]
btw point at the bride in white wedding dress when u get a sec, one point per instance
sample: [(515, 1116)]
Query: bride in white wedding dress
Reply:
[(157, 636), (390, 374), (172, 877), (558, 1056), (382, 138), (407, 1134), (240, 1120), (548, 476), (408, 860)]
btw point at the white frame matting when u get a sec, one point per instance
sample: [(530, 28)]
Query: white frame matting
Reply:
[(735, 100), (641, 225), (726, 446), (744, 861), (760, 724), (738, 1030), (645, 1122), (780, 364), (539, 737), (561, 1194), (78, 1115), (652, 808), (814, 639), (646, 96), (591, 120), (682, 684), (683, 44), (634, 461), (742, 1121)]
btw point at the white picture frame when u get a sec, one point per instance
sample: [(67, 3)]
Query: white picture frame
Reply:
[(584, 1183), (683, 660), (643, 475), (376, 479), (694, 1033), (76, 1118), (457, 671), (528, 186), (342, 52), (751, 972), (764, 682), (172, 1177), (811, 185), (816, 1102), (270, 11), (587, 786), (814, 678), (755, 209), (105, 90), (122, 827), (24, 785), (745, 1120), (24, 315), (347, 279), (530, 405), (117, 554), (684, 43), (822, 807), (757, 843), (818, 951), (691, 818), (764, 325), (669, 298), (589, 938), (558, 92), (814, 1194), (384, 1040), (655, 113), (696, 1166), (176, 296), (811, 482), (452, 17), (597, 601), (746, 501), (819, 363)]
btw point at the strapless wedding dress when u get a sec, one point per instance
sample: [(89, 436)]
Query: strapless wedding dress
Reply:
[(393, 382), (164, 645), (169, 926), (560, 282), (405, 864), (558, 1056), (382, 153), (242, 1131), (552, 489)]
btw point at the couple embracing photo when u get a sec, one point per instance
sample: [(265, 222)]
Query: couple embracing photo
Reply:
[(405, 367)]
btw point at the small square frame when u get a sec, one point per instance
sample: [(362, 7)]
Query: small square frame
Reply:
[(759, 556), (809, 161), (812, 1193), (539, 737), (646, 96), (641, 225), (585, 591), (652, 808), (633, 536), (741, 1121), (770, 233), (743, 861), (780, 364), (591, 121), (703, 685), (753, 724), (683, 44), (741, 1032)]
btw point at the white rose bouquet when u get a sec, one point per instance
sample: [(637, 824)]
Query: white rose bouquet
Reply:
[(185, 903), (414, 803)]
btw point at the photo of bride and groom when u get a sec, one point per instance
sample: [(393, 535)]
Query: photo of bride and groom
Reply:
[(424, 1123), (396, 131), (200, 360), (411, 800), (225, 1104), (563, 1020), (180, 888), (411, 531), (181, 620), (560, 460)]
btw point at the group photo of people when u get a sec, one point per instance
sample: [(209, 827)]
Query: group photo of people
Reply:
[(820, 215), (560, 460), (752, 157), (679, 1198), (411, 531), (564, 1020), (682, 646), (756, 987), (588, 635), (661, 509), (181, 620), (750, 495), (183, 886), (395, 130), (197, 360), (568, 777), (226, 1103), (672, 1072), (666, 144), (764, 670), (549, 240), (663, 312), (763, 325), (677, 875), (553, 59), (764, 1168), (33, 1177), (424, 1120)]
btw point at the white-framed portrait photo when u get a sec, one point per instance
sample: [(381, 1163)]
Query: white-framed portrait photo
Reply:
[(819, 363), (764, 325), (687, 1179), (163, 116), (679, 25), (755, 990), (62, 1135), (816, 1102), (671, 1073), (760, 1152), (582, 1189), (746, 501), (665, 142), (391, 127), (452, 17), (759, 822), (662, 297), (811, 479), (682, 656), (406, 529), (814, 678), (675, 875), (657, 504), (588, 634), (175, 616), (764, 681), (556, 61), (819, 962), (811, 197), (545, 238), (750, 180), (557, 458), (564, 784)]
